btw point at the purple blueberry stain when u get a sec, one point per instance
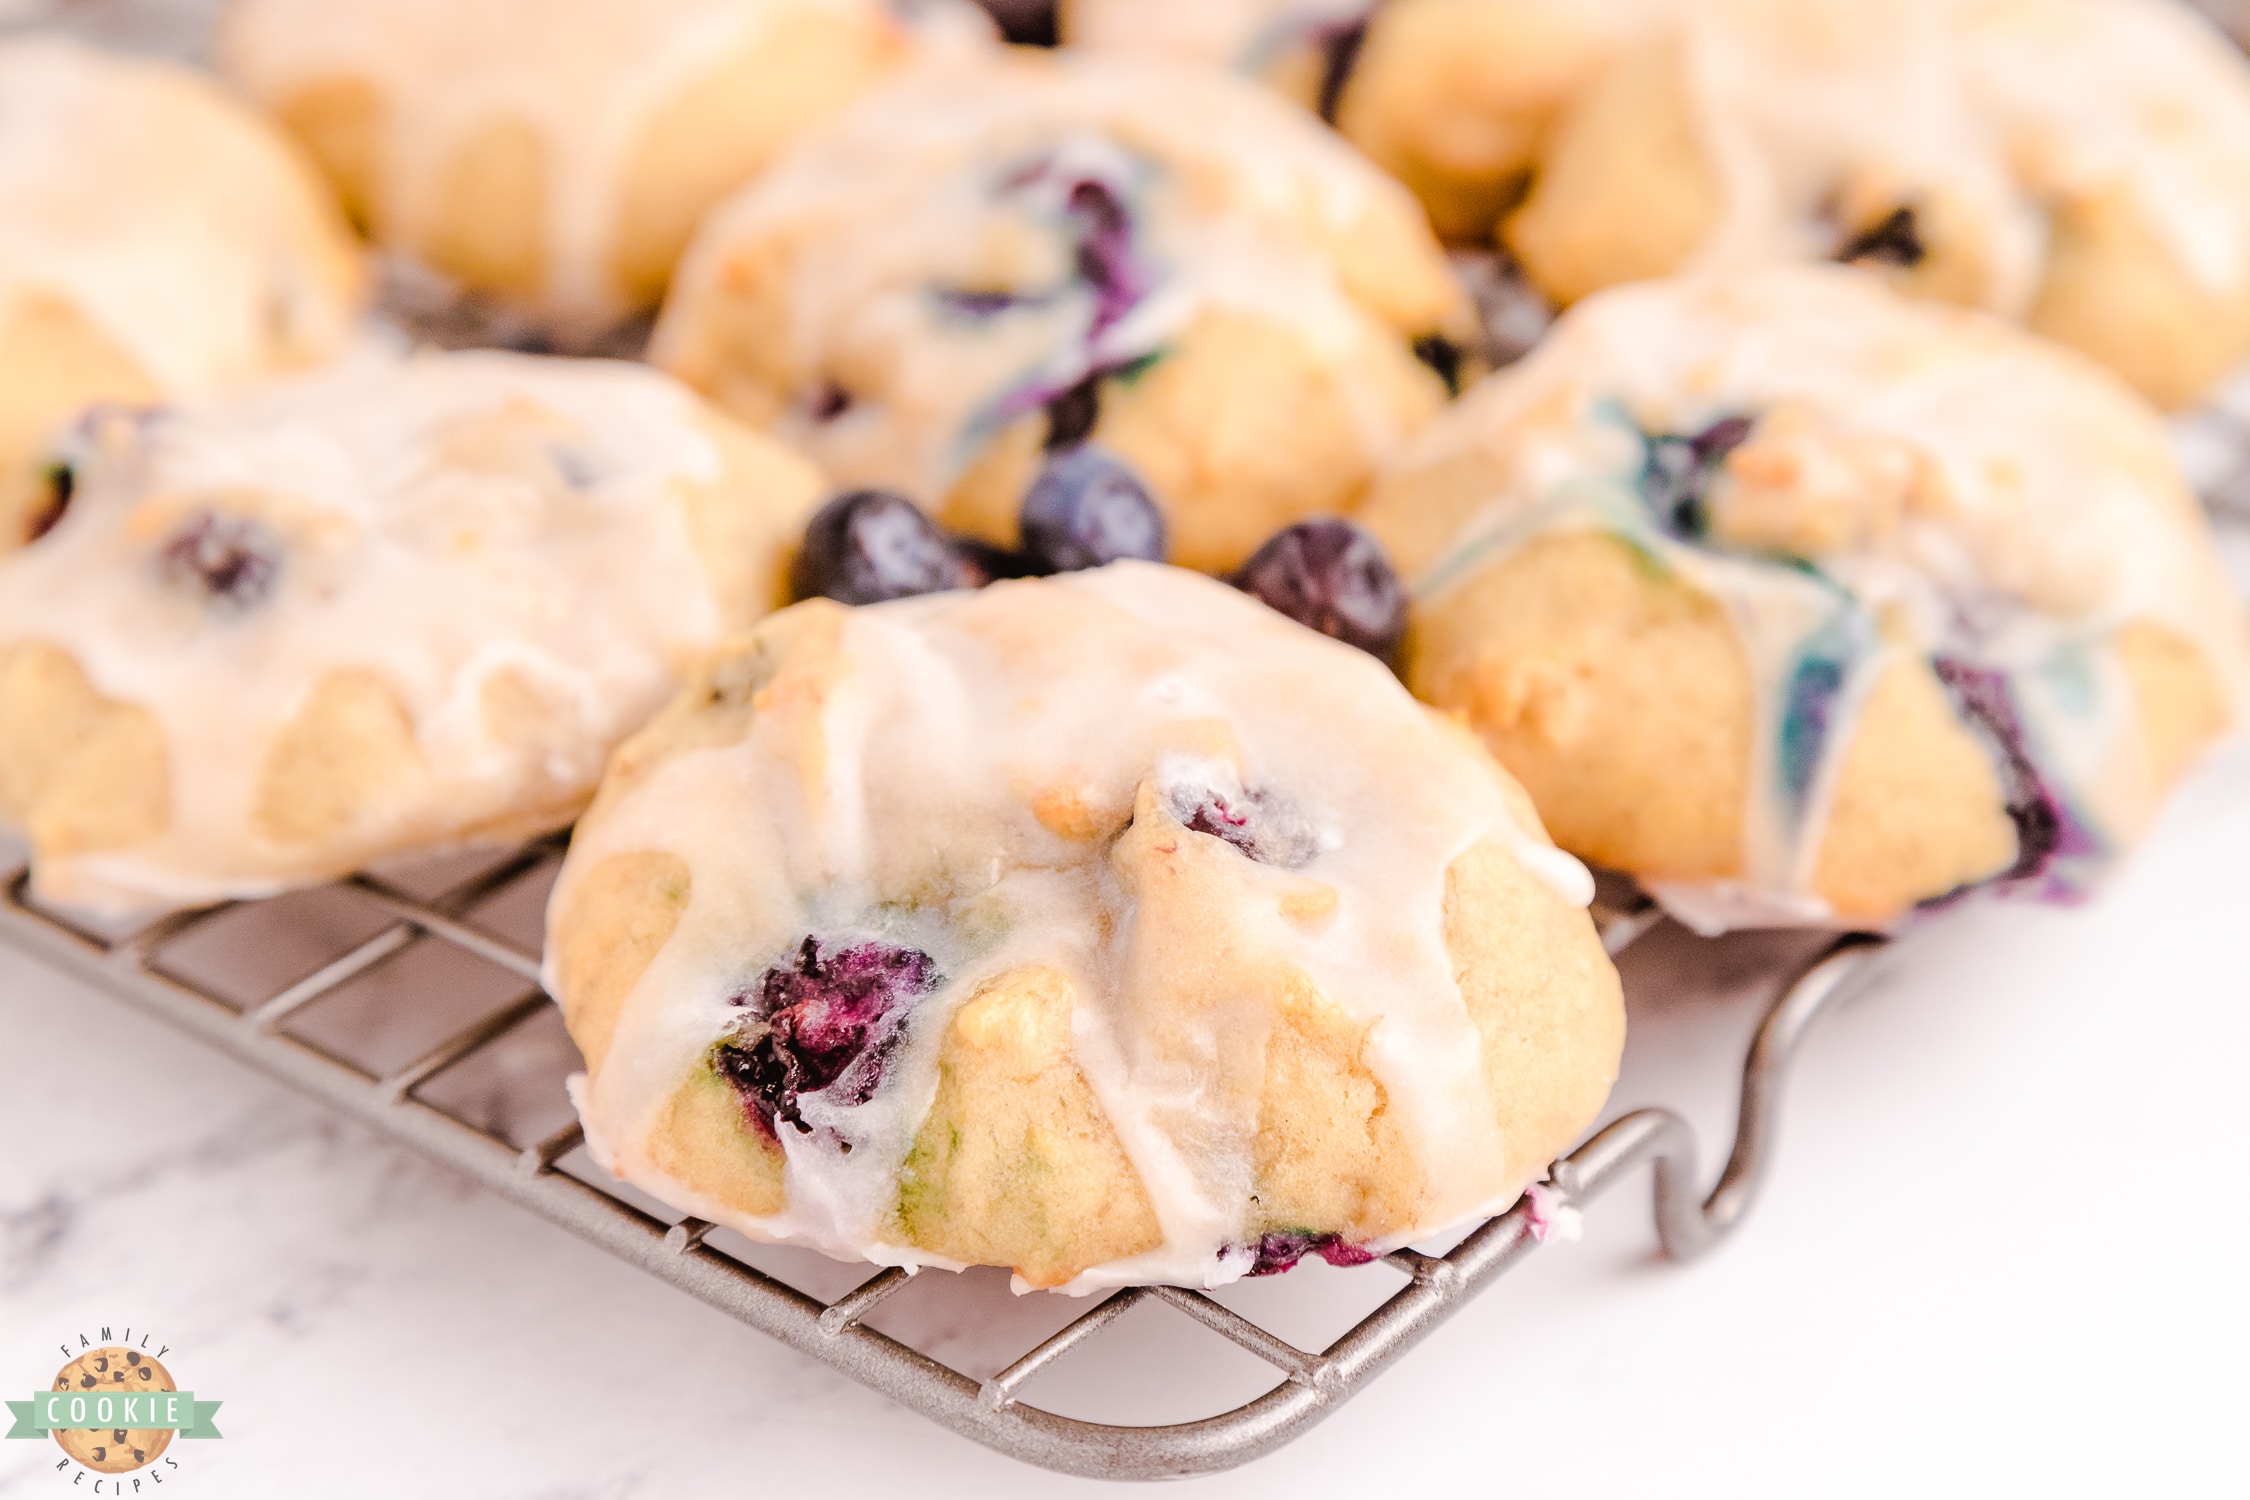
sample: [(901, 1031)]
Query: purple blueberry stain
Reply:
[(1104, 252), (2047, 830), (1677, 470), (1810, 694), (1097, 218), (1334, 577), (1279, 1250), (232, 560), (825, 1024)]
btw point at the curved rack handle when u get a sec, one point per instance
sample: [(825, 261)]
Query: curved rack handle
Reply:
[(1687, 1228)]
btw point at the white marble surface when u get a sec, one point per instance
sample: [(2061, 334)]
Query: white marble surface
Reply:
[(2002, 1254)]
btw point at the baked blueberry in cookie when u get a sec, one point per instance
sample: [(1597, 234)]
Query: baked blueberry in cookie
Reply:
[(822, 1024), (1805, 601), (229, 560), (1105, 926), (431, 594), (983, 281)]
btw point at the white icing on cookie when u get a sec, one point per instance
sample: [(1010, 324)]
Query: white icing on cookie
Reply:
[(1954, 488), (441, 521), (900, 805), (885, 223)]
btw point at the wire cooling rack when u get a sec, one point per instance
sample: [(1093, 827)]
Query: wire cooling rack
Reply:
[(411, 1002)]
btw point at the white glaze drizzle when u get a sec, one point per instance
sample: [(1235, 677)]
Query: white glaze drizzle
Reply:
[(585, 77), (902, 808), (2050, 512), (434, 568), (899, 200), (169, 215)]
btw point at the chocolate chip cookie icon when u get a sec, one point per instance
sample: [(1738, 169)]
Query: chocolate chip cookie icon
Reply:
[(113, 1372)]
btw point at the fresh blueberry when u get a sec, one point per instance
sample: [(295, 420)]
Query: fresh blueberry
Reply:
[(1334, 577), (1086, 508), (828, 1022), (1893, 240), (871, 545), (58, 483), (1278, 1251), (1264, 826), (233, 559)]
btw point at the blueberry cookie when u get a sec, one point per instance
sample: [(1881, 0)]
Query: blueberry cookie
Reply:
[(1451, 96), (2079, 165), (974, 274), (156, 240), (559, 155), (114, 1371), (1108, 927), (1805, 601), (399, 604)]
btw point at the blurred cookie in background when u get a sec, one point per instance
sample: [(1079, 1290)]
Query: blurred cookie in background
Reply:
[(157, 240), (557, 156)]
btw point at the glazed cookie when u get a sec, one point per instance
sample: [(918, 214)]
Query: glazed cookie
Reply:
[(403, 603), (114, 1370), (974, 273), (1108, 927), (1805, 601), (156, 240), (2080, 165), (1451, 96), (559, 156)]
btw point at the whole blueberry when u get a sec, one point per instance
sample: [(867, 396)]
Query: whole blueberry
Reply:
[(871, 545), (1334, 577), (1087, 508)]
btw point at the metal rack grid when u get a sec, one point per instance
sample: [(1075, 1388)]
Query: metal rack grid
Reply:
[(264, 1019)]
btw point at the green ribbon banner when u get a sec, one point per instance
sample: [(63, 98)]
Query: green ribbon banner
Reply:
[(85, 1410)]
